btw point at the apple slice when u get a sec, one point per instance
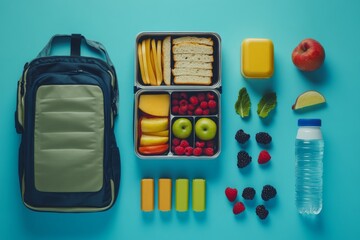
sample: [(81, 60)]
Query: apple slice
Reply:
[(154, 150), (141, 63), (307, 99), (164, 133), (156, 63), (147, 140), (157, 124)]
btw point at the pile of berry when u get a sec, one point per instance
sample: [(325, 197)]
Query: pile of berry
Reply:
[(268, 192), (201, 103), (243, 158), (182, 147)]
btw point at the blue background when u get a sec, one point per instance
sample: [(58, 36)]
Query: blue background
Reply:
[(26, 26)]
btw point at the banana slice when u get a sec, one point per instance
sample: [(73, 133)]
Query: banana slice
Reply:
[(158, 54), (148, 59), (141, 63), (146, 71)]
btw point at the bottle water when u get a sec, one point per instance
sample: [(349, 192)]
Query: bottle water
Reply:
[(309, 150)]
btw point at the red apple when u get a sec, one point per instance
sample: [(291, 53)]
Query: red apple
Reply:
[(309, 55)]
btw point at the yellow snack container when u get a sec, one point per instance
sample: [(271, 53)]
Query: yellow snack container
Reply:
[(164, 194), (257, 58)]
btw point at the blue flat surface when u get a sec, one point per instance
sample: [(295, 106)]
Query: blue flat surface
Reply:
[(26, 26)]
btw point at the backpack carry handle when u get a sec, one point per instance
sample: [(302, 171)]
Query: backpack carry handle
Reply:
[(75, 46)]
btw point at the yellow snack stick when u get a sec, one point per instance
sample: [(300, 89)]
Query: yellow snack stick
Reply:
[(146, 71), (147, 194), (141, 63), (164, 194)]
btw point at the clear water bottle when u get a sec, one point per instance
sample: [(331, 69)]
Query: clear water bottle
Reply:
[(309, 150)]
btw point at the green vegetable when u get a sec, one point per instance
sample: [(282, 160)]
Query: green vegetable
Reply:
[(243, 104), (266, 104)]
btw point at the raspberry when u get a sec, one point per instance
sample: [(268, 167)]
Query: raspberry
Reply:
[(200, 144), (206, 112), (204, 105), (209, 151), (264, 157), (184, 143), (174, 102), (198, 111), (241, 136), (243, 159), (183, 95), (183, 108), (263, 138), (194, 100), (239, 207), (175, 96), (181, 112), (268, 192), (201, 97), (262, 212), (210, 144), (176, 142), (183, 102), (175, 109), (179, 150), (210, 96), (248, 193), (231, 193), (190, 112), (191, 107), (212, 104), (188, 151), (197, 151)]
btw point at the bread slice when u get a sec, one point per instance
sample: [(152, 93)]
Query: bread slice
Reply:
[(193, 57), (204, 41), (192, 48), (192, 80), (188, 64), (192, 72), (166, 60)]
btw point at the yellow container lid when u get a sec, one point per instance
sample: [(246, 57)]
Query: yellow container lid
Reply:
[(257, 58)]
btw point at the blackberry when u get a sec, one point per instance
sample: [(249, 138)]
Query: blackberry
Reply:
[(243, 159), (263, 138), (248, 193), (242, 136), (268, 192), (262, 212)]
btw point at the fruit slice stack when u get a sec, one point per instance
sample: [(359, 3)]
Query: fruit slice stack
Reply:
[(154, 124)]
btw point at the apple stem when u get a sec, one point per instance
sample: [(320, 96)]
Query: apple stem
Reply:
[(304, 47)]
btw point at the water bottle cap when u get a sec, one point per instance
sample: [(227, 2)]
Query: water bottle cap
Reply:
[(309, 122)]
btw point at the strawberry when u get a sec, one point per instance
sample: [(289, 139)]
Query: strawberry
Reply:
[(197, 151), (231, 193), (194, 100), (204, 105), (212, 104), (179, 150), (239, 207), (188, 151), (184, 143), (264, 157), (209, 151), (200, 144)]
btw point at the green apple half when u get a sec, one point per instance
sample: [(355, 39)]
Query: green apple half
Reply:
[(205, 129), (182, 128)]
